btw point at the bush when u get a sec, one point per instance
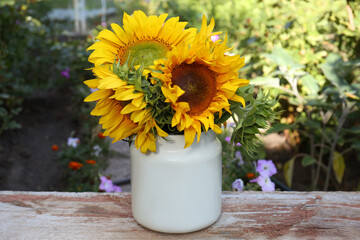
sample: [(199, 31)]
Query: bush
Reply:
[(31, 58)]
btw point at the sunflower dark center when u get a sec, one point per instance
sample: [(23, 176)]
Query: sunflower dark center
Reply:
[(143, 52), (199, 84)]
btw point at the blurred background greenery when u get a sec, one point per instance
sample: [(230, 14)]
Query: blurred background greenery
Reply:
[(306, 54)]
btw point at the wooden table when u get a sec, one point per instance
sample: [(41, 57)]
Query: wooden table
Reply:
[(246, 215)]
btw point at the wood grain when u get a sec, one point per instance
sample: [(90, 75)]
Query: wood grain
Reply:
[(246, 215)]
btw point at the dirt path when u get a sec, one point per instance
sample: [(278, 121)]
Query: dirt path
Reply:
[(26, 160)]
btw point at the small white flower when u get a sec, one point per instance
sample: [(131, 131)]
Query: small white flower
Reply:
[(97, 150), (73, 142)]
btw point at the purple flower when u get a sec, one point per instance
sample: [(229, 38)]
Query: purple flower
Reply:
[(228, 139), (266, 168), (66, 73), (230, 124), (93, 90), (238, 185), (106, 184), (239, 157), (214, 38), (103, 24), (117, 189), (266, 184)]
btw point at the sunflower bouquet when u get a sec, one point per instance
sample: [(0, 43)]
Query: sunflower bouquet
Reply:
[(155, 77)]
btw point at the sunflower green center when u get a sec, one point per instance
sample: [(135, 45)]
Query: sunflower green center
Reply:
[(199, 84), (143, 52)]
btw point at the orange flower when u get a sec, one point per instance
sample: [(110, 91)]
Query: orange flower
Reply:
[(90, 161), (55, 147), (75, 165), (250, 175), (101, 135)]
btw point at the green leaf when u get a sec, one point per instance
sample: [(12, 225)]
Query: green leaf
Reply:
[(251, 130), (4, 95), (13, 125), (319, 103), (288, 171), (279, 127), (294, 101), (330, 70), (307, 161), (338, 166), (356, 145), (261, 121), (3, 112), (9, 2), (311, 83), (312, 124), (280, 57), (266, 81)]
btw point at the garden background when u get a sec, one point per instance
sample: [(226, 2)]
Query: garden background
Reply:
[(304, 54)]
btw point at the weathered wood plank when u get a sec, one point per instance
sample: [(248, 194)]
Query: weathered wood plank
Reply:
[(247, 215)]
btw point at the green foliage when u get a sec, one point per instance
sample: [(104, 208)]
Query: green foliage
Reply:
[(12, 35), (161, 111), (92, 146), (10, 105), (338, 166), (86, 178), (31, 58), (308, 29), (323, 111), (307, 161), (237, 164), (288, 171), (256, 116)]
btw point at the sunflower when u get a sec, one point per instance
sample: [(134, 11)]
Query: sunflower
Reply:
[(122, 109), (117, 124), (142, 39), (198, 81)]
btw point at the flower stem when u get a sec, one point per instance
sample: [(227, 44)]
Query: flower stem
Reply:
[(342, 119)]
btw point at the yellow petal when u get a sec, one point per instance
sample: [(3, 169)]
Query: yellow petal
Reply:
[(129, 108), (92, 83), (138, 102), (189, 134), (160, 132), (204, 120), (151, 144), (138, 116), (197, 126), (102, 108), (111, 83), (99, 94), (120, 33), (216, 129), (109, 36), (237, 98)]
